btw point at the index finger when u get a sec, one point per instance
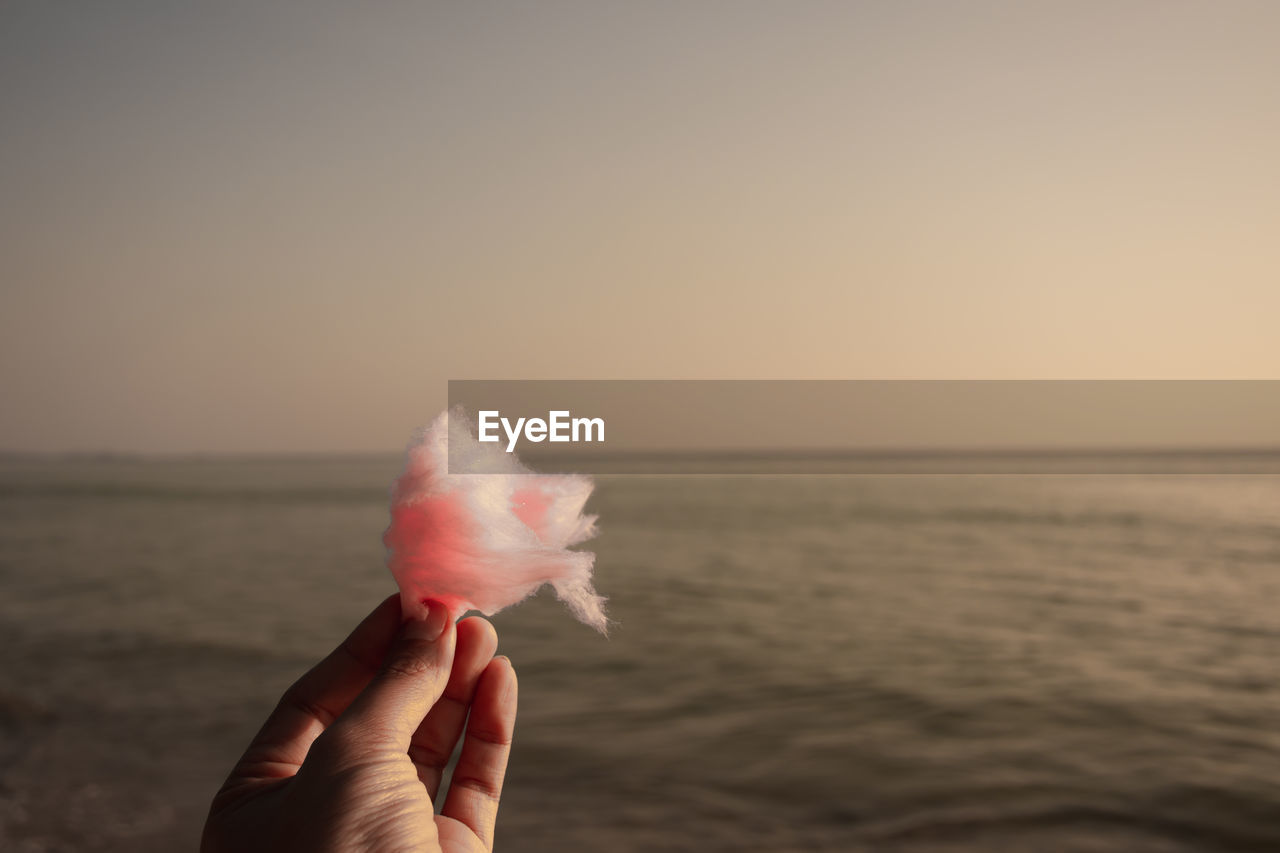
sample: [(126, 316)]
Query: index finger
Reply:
[(477, 781)]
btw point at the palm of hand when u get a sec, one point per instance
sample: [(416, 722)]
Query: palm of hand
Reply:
[(352, 760)]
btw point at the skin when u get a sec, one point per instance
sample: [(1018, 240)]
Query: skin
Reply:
[(351, 759)]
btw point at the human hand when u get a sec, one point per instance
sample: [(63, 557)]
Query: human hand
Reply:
[(352, 757)]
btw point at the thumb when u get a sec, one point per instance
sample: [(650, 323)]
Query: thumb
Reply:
[(412, 679)]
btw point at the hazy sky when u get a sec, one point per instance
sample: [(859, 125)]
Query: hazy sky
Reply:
[(269, 226)]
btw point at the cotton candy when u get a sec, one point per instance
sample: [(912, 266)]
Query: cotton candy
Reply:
[(487, 541)]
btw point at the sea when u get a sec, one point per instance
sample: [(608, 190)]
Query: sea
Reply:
[(848, 663)]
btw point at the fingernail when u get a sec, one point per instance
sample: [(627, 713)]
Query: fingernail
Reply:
[(431, 626)]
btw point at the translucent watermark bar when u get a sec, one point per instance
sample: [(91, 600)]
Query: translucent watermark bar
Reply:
[(876, 426)]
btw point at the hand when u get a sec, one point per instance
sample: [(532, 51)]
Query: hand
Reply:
[(351, 759)]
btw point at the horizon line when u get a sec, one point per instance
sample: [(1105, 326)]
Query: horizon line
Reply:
[(594, 454)]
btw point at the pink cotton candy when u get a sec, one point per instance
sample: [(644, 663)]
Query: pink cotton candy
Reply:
[(487, 541)]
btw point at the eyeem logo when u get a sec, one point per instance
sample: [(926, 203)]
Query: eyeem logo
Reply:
[(558, 426)]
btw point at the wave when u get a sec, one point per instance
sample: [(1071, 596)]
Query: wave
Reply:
[(237, 495), (1237, 822)]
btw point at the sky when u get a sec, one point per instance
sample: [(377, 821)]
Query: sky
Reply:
[(248, 226)]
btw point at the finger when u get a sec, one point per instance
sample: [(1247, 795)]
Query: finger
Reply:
[(317, 698), (433, 742), (414, 674), (477, 780)]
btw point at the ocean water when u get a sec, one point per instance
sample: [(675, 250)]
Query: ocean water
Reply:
[(905, 663)]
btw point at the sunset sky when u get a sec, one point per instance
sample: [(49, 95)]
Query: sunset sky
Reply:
[(249, 226)]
